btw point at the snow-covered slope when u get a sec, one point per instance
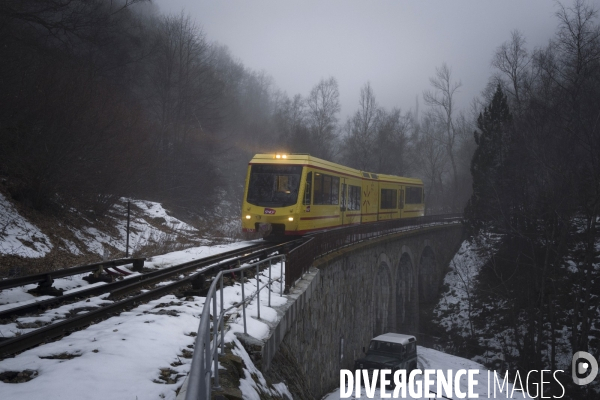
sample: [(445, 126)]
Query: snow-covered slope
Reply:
[(77, 234), (18, 236)]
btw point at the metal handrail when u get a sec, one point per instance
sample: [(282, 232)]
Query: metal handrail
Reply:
[(205, 360), (206, 352)]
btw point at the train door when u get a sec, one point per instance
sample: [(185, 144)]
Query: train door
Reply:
[(401, 202), (369, 199), (305, 222), (343, 201), (347, 206)]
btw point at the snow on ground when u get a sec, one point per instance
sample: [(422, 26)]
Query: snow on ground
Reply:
[(252, 389), (132, 355), (18, 236), (18, 296), (460, 280), (141, 232), (143, 353), (433, 359), (156, 210), (455, 310)]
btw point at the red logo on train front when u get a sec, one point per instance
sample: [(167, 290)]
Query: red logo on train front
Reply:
[(269, 211)]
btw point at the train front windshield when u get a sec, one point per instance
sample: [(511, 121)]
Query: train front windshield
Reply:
[(274, 185)]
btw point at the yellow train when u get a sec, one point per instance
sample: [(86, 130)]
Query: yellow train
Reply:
[(294, 194)]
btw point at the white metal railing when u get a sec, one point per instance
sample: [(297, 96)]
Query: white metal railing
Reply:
[(205, 361)]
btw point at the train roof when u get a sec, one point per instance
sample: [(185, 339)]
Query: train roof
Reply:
[(308, 160)]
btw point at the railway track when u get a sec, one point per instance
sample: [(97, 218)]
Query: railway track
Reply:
[(128, 293)]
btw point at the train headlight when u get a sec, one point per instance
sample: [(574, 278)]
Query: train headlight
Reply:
[(248, 216), (290, 218)]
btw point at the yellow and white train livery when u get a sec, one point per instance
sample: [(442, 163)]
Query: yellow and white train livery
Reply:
[(294, 194)]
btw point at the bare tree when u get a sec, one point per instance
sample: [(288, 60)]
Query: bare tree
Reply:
[(185, 100), (392, 141), (577, 75), (323, 107), (441, 100), (430, 158), (69, 120), (512, 60), (290, 120), (361, 132)]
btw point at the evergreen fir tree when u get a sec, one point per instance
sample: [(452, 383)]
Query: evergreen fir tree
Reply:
[(489, 166)]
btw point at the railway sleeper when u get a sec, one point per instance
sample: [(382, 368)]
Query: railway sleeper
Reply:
[(45, 288), (138, 264), (99, 276), (199, 287)]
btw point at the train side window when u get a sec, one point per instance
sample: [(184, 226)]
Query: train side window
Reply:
[(389, 198), (335, 190), (343, 201), (354, 197), (318, 188), (414, 195), (327, 189), (308, 189)]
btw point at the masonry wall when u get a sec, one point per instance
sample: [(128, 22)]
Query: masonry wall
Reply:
[(360, 292)]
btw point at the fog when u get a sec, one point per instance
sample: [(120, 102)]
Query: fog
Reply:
[(395, 45)]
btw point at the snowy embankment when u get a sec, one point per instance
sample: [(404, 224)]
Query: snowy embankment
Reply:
[(150, 224), (143, 353), (454, 310), (18, 236)]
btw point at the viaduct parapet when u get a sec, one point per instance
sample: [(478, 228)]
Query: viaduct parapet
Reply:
[(357, 293)]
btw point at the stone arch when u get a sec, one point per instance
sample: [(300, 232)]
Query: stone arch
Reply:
[(405, 289), (382, 297), (428, 276)]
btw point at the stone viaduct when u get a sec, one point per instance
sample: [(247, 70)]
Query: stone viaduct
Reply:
[(355, 294)]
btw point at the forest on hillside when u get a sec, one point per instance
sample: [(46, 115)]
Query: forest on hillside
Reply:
[(535, 207), (104, 99)]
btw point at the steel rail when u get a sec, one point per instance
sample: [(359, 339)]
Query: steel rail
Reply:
[(298, 260), (61, 273), (130, 281), (58, 329)]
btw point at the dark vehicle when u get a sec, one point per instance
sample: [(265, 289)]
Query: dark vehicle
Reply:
[(392, 351)]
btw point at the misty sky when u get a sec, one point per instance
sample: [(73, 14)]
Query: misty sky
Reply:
[(396, 45)]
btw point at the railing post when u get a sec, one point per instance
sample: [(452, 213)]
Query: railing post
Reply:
[(270, 266), (243, 301), (281, 277), (258, 288), (215, 339), (128, 218), (222, 315)]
